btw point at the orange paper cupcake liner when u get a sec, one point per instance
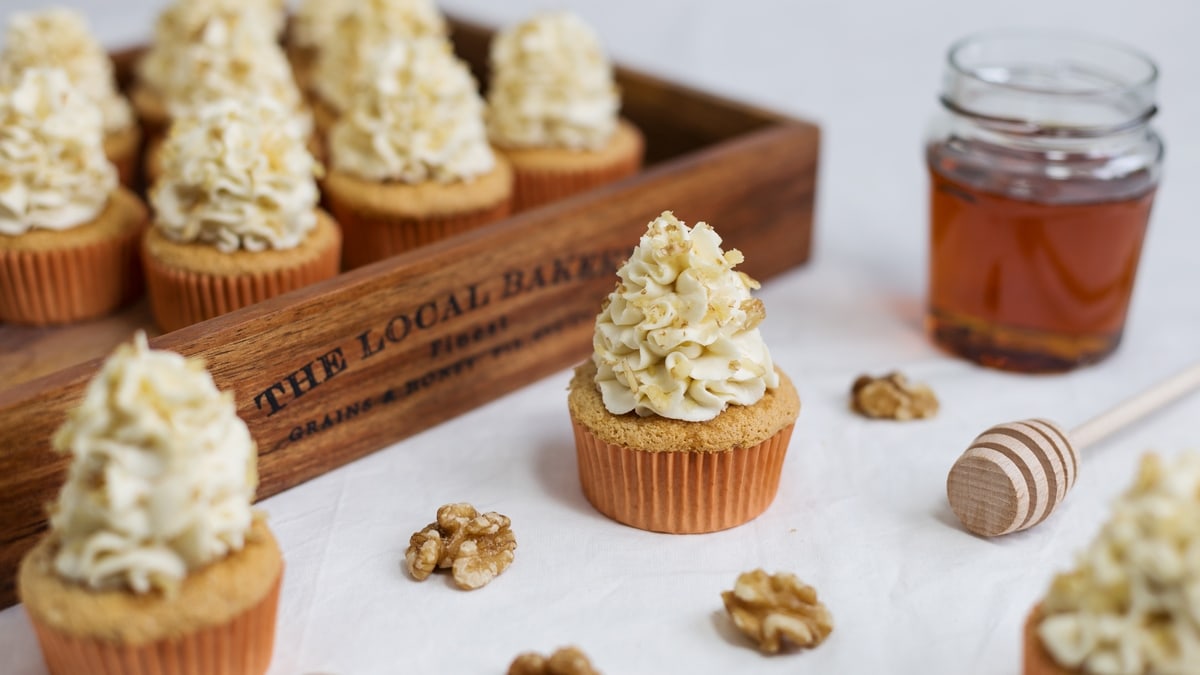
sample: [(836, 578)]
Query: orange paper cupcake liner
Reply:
[(1037, 660), (56, 286), (180, 298), (241, 646), (533, 188), (680, 492), (368, 237)]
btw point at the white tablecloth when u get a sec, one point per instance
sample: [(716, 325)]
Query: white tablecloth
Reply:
[(861, 512)]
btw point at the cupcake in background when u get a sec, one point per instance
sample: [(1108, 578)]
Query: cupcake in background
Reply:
[(155, 562), (68, 231), (60, 38), (344, 63), (1132, 603), (553, 110), (235, 215), (681, 419), (313, 27), (168, 70), (410, 157)]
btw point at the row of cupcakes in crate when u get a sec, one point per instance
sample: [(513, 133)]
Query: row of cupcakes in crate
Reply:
[(412, 158)]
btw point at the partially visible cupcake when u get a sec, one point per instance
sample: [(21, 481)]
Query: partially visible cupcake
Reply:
[(410, 158), (68, 231), (313, 26), (155, 562), (1132, 603), (553, 110), (59, 38), (344, 63), (681, 419), (235, 215), (224, 32)]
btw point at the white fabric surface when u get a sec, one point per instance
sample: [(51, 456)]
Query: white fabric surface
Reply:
[(861, 512)]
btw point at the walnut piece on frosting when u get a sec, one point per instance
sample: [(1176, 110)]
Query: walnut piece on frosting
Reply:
[(777, 610), (892, 397), (476, 547), (564, 661)]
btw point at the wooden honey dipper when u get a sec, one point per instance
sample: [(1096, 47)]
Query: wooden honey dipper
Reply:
[(1014, 475)]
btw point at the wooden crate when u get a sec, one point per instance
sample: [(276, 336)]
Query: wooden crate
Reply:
[(332, 372)]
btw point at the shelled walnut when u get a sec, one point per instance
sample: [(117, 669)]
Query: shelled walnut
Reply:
[(892, 397), (776, 608), (476, 547), (564, 661)]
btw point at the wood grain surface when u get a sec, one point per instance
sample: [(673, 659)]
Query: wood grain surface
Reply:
[(330, 373)]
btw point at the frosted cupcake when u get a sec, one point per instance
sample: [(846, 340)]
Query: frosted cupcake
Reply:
[(155, 562), (59, 38), (343, 65), (235, 215), (410, 158), (681, 419), (1132, 603), (68, 231), (208, 47), (553, 110)]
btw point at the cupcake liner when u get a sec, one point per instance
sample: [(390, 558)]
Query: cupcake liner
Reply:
[(56, 286), (371, 236), (180, 298), (241, 646), (680, 492), (1037, 660), (533, 188)]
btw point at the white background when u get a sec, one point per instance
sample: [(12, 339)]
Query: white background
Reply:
[(861, 512)]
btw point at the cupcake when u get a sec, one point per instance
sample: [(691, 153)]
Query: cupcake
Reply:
[(68, 231), (154, 562), (552, 111), (343, 64), (205, 49), (1132, 603), (410, 159), (59, 38), (681, 419), (235, 215)]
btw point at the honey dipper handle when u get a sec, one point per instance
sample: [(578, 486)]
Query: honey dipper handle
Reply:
[(1135, 408)]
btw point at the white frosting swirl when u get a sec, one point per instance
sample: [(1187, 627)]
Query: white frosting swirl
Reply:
[(234, 176), (552, 86), (214, 23), (679, 335), (315, 22), (1132, 604), (162, 476), (53, 171), (420, 119), (59, 38), (360, 33)]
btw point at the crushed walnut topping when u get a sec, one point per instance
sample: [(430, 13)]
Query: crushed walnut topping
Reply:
[(476, 547), (777, 610), (564, 661), (892, 397)]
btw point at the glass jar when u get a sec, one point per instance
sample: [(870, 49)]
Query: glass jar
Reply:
[(1043, 167)]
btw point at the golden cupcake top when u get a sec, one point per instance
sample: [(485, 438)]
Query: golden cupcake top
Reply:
[(417, 118), (1132, 603), (360, 33), (678, 337), (53, 171), (552, 86), (162, 474), (60, 38), (213, 23), (234, 176)]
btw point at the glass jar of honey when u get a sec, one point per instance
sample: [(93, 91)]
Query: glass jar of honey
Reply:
[(1043, 167)]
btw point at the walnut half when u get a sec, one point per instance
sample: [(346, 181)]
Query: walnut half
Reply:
[(476, 547), (565, 661), (774, 609), (892, 397)]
